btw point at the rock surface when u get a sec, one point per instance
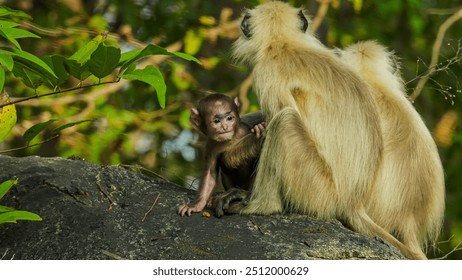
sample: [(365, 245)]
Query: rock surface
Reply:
[(99, 212)]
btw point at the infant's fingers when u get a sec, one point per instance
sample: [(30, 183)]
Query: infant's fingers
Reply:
[(184, 210), (256, 131), (181, 210), (259, 129)]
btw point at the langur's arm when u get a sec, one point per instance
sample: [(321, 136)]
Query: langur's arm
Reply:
[(252, 119)]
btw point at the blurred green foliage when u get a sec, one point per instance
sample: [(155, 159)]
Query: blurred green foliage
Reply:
[(129, 124)]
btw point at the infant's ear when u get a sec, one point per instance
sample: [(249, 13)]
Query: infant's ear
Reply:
[(195, 119), (236, 101)]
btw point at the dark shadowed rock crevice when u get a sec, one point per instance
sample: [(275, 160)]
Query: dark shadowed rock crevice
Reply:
[(99, 212)]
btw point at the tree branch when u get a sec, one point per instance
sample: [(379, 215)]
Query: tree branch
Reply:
[(320, 14), (435, 53), (19, 100)]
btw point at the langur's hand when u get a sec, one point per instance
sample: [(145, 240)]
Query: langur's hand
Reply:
[(189, 209), (259, 130), (231, 202)]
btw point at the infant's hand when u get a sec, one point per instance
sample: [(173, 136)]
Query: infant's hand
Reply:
[(259, 129), (189, 209)]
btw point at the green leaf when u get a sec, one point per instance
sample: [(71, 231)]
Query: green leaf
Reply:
[(11, 34), (2, 78), (81, 72), (32, 62), (18, 33), (357, 5), (34, 130), (104, 60), (12, 40), (128, 58), (98, 23), (6, 60), (150, 75), (57, 64), (184, 119), (5, 209), (11, 13), (6, 24), (64, 126), (28, 76), (13, 216), (6, 186), (7, 116), (83, 54), (187, 57), (192, 42)]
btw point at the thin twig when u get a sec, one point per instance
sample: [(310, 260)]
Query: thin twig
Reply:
[(457, 248), (139, 167), (152, 207), (101, 189), (258, 227), (56, 92), (112, 255), (29, 146), (435, 53)]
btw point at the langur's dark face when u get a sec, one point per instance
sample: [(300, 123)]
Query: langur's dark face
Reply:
[(221, 122)]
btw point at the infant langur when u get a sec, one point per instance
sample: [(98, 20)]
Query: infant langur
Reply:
[(232, 150)]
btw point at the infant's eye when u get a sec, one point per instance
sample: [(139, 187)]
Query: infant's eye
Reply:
[(216, 121), (229, 118)]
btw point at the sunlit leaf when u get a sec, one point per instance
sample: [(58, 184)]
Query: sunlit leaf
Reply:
[(128, 58), (32, 62), (6, 60), (6, 186), (184, 119), (5, 209), (207, 20), (211, 62), (98, 23), (11, 13), (83, 54), (178, 77), (7, 116), (357, 5), (152, 76), (18, 33), (192, 42), (2, 79), (104, 60), (5, 24), (187, 57), (13, 216), (67, 125), (12, 40), (34, 130)]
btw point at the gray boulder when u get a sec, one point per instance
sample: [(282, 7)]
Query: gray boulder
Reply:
[(108, 212)]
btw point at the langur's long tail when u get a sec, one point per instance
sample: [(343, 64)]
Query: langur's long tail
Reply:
[(364, 224)]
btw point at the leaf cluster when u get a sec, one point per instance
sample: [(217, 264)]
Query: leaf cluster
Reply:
[(100, 57), (9, 214)]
